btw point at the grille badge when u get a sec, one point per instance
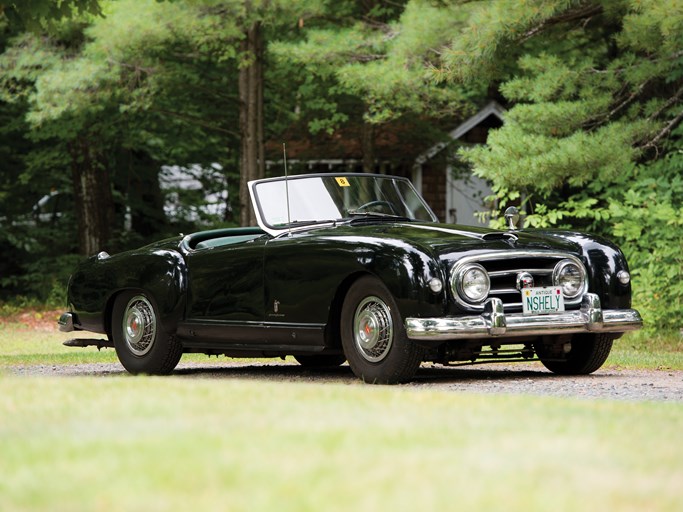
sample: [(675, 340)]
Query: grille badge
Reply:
[(524, 280)]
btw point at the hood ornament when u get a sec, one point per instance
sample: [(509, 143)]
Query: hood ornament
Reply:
[(512, 217)]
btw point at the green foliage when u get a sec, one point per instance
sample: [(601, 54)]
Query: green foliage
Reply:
[(41, 258), (487, 39), (382, 59), (648, 217), (145, 85), (581, 116), (520, 159)]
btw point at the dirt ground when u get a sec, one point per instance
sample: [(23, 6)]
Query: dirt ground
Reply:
[(522, 378)]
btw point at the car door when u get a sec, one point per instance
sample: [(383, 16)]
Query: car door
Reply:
[(226, 283), (302, 273)]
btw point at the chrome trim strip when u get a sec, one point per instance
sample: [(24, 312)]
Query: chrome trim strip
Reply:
[(505, 273), (494, 323), (513, 305), (66, 322), (504, 291)]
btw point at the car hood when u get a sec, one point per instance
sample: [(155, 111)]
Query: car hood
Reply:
[(448, 241)]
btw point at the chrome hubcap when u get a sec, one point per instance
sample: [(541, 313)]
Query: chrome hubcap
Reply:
[(373, 329), (139, 325)]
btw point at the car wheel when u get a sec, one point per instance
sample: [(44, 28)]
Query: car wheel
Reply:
[(588, 353), (143, 344), (321, 360), (373, 335)]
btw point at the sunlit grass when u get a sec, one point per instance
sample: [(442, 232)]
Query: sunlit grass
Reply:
[(20, 345), (124, 443), (641, 350)]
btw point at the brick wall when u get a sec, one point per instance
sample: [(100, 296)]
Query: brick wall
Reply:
[(434, 188)]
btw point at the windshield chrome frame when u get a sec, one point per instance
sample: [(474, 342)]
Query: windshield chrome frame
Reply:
[(277, 231)]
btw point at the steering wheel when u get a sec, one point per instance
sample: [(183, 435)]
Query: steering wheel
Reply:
[(378, 202)]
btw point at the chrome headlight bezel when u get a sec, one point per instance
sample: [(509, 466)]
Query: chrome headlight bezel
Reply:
[(459, 280), (569, 265)]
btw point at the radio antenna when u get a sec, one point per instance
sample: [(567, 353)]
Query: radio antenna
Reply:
[(289, 218)]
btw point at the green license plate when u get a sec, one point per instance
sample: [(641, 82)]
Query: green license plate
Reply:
[(542, 301)]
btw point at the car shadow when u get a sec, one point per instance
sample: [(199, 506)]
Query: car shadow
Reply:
[(279, 371), (426, 374)]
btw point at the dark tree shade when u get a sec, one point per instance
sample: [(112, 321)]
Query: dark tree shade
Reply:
[(37, 14)]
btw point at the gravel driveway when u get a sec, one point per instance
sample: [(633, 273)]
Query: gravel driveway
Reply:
[(525, 378)]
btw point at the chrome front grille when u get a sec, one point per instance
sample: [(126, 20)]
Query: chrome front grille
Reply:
[(503, 267)]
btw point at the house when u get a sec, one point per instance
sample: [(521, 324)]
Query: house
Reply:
[(445, 182)]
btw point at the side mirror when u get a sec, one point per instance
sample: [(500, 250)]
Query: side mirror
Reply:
[(512, 217)]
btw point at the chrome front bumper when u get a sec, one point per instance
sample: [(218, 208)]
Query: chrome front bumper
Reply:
[(494, 323)]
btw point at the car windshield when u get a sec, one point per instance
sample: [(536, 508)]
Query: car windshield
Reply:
[(326, 198)]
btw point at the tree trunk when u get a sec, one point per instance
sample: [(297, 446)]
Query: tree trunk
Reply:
[(252, 156), (94, 203), (143, 194), (368, 147)]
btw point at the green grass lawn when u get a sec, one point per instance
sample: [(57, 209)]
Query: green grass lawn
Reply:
[(144, 443), (147, 443)]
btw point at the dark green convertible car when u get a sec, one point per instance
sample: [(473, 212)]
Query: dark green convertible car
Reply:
[(356, 268)]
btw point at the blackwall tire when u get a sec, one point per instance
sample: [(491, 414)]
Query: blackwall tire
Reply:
[(588, 353), (143, 344), (373, 335)]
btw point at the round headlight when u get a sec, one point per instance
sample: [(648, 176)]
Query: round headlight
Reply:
[(571, 277), (473, 283)]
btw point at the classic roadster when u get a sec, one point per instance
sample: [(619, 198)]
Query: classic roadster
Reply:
[(355, 267)]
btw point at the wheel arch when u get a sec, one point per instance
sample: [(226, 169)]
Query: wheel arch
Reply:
[(408, 281), (332, 332)]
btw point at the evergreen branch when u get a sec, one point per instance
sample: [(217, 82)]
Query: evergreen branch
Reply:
[(628, 100), (378, 25), (582, 13), (395, 4), (195, 120), (366, 58), (667, 129), (135, 67), (666, 105)]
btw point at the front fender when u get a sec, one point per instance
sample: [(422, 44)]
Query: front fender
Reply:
[(98, 280), (406, 270), (603, 261)]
